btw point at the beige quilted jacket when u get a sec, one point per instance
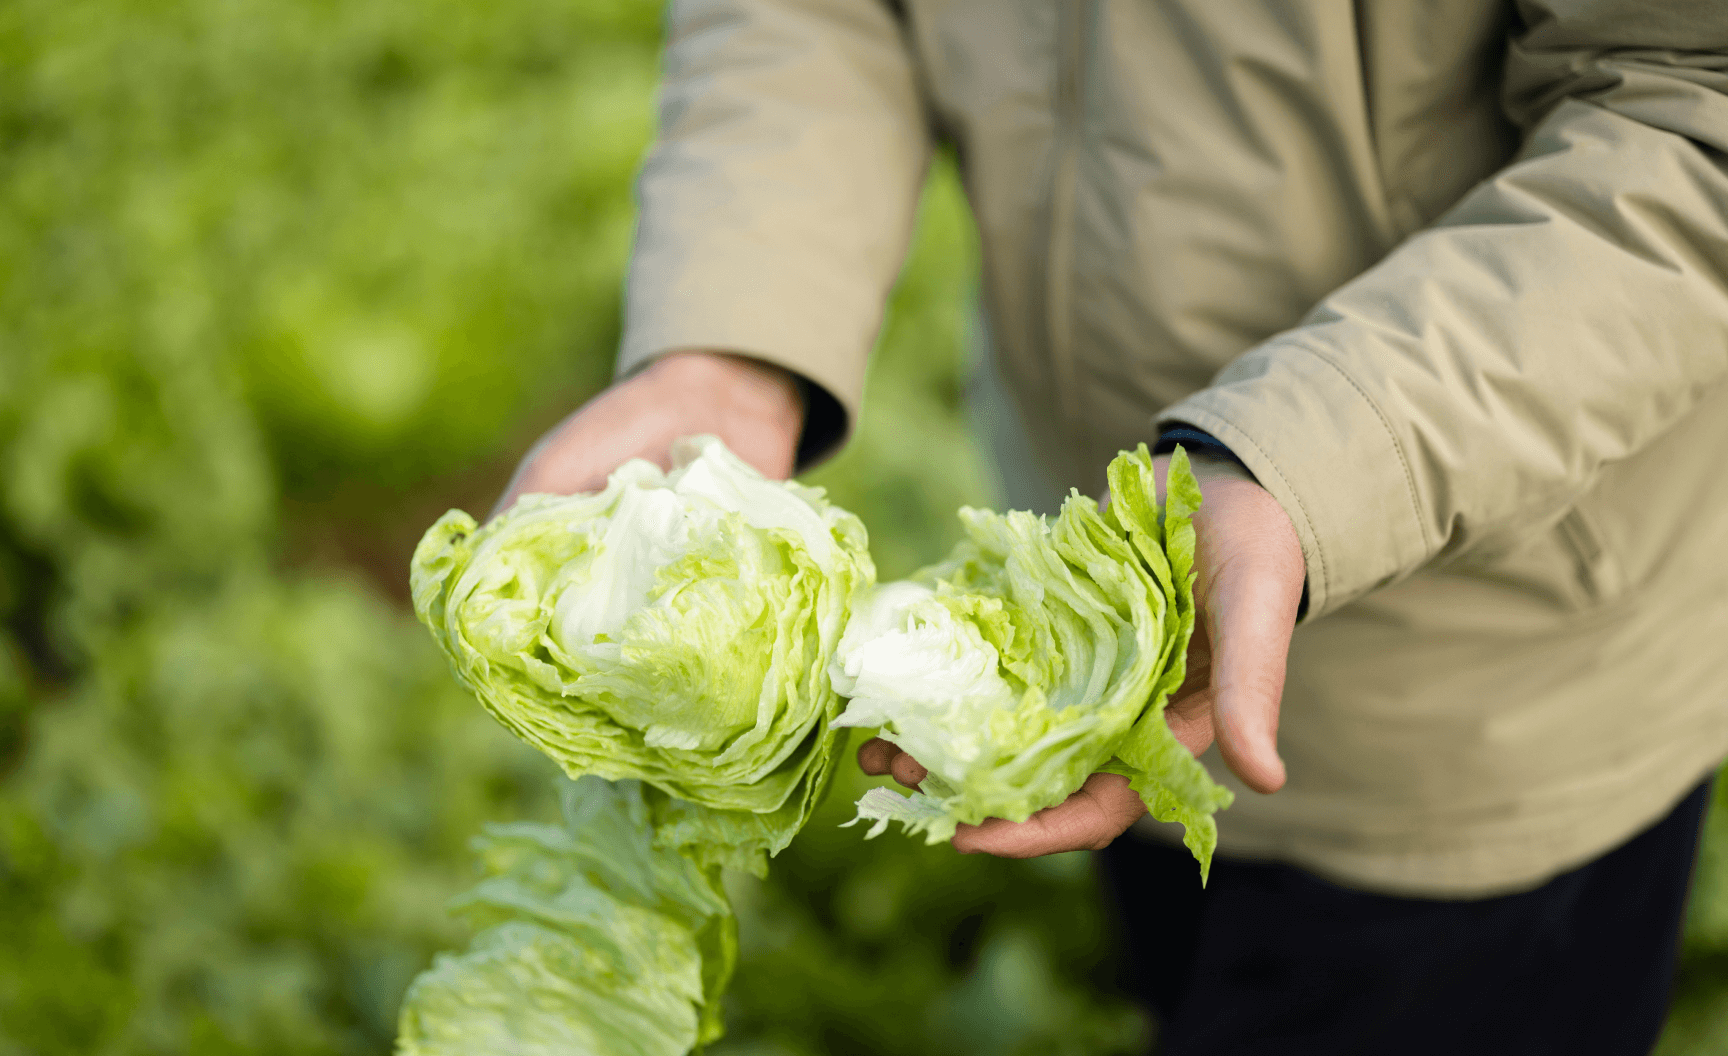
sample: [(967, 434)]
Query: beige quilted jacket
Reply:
[(1450, 276)]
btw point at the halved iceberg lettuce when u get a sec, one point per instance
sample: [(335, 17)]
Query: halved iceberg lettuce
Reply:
[(674, 628), (1040, 652)]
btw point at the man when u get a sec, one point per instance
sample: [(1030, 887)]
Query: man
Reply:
[(1441, 289)]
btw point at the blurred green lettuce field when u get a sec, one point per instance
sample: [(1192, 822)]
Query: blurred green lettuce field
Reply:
[(279, 283)]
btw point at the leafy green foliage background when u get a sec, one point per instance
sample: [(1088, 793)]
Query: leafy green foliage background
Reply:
[(279, 283)]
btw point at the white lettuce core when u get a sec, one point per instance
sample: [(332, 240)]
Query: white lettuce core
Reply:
[(653, 524), (647, 532), (907, 662)]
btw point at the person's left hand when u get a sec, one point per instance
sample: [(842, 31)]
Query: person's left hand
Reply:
[(1246, 595)]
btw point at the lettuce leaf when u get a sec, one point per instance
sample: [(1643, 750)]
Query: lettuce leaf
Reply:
[(1038, 653), (593, 941)]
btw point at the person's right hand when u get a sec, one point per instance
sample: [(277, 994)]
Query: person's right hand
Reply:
[(754, 407)]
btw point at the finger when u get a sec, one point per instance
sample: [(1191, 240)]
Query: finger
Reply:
[(1250, 614), (1189, 713), (1190, 720), (1103, 809), (875, 755), (907, 770), (1197, 665)]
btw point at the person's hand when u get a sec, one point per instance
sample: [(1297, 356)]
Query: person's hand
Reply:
[(753, 406), (1247, 591)]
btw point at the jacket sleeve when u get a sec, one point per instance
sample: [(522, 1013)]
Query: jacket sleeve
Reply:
[(1560, 317), (777, 203)]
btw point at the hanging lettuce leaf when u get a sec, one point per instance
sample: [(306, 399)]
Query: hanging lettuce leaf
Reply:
[(594, 941), (673, 628), (1038, 653)]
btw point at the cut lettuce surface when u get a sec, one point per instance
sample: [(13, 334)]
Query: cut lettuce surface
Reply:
[(1040, 652), (674, 628), (593, 941)]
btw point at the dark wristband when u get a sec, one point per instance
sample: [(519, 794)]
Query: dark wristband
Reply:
[(1195, 442)]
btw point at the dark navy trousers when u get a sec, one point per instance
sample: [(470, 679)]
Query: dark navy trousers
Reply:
[(1270, 959)]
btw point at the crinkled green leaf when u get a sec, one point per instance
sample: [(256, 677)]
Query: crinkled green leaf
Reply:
[(1165, 774), (594, 941), (1039, 653)]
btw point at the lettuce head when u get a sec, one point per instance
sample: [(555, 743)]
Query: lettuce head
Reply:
[(1040, 652), (674, 628)]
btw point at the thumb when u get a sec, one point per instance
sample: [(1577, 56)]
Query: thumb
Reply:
[(1249, 607), (1250, 634)]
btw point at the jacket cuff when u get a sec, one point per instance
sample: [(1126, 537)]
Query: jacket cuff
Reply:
[(1315, 440)]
